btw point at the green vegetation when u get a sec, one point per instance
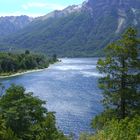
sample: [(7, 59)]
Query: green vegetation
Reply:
[(125, 129), (13, 63), (120, 84), (24, 117), (68, 36)]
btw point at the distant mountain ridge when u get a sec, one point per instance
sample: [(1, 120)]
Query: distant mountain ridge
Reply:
[(78, 30), (11, 24), (61, 13)]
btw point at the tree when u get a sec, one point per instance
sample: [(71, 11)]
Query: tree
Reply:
[(54, 57), (27, 52), (10, 64), (1, 89), (120, 82), (125, 129), (6, 133), (26, 116)]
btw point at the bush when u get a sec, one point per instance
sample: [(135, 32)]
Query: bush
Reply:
[(125, 129)]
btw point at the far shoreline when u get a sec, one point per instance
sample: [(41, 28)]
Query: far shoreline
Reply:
[(26, 71), (22, 73)]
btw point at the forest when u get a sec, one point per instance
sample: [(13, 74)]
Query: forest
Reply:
[(11, 63)]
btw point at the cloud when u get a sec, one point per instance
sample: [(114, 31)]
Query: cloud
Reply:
[(51, 6)]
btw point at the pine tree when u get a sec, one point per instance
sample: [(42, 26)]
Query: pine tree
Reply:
[(121, 70)]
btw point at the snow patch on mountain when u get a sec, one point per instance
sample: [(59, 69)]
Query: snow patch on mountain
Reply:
[(121, 22)]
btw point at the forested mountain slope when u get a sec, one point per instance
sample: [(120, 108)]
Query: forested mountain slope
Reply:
[(81, 30)]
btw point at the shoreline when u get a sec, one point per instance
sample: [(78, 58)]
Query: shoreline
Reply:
[(22, 73), (25, 72)]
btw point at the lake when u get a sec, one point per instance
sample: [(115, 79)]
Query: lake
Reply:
[(70, 88)]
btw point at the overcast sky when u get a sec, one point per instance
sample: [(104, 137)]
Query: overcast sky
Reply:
[(33, 7)]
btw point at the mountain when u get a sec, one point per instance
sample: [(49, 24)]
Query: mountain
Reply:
[(11, 24), (78, 30)]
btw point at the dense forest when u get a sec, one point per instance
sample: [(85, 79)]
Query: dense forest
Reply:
[(11, 63)]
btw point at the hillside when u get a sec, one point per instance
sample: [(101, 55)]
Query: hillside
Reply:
[(11, 24), (81, 30)]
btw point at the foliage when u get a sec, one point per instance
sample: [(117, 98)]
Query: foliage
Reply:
[(11, 63), (99, 121), (120, 83), (121, 76), (126, 129), (24, 117)]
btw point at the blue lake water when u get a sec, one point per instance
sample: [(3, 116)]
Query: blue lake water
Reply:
[(70, 88)]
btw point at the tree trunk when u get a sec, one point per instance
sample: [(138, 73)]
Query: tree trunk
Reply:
[(123, 104)]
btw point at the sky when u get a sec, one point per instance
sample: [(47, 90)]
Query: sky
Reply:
[(33, 8)]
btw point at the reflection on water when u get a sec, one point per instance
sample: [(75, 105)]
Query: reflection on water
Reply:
[(71, 90)]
